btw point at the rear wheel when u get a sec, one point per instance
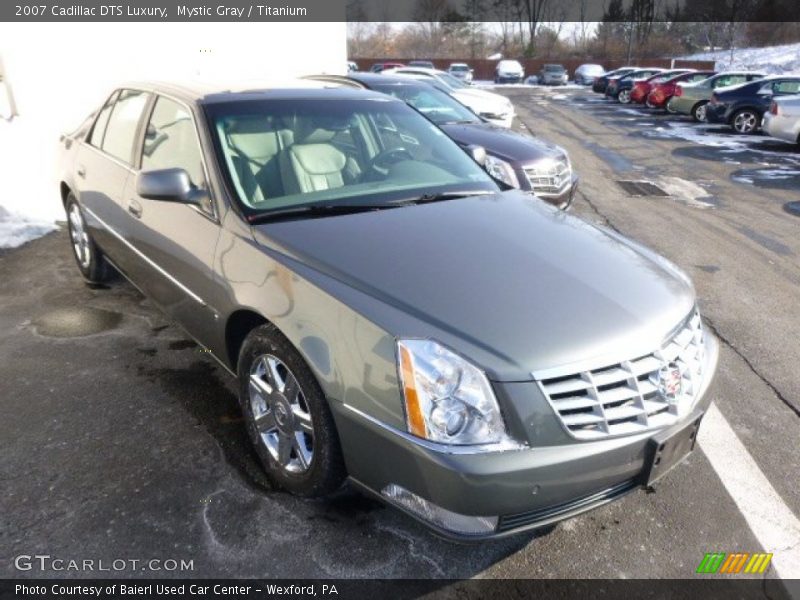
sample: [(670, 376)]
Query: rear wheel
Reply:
[(90, 260), (624, 96), (287, 416), (699, 112), (745, 121)]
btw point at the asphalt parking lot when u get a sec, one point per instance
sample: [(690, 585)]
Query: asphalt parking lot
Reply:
[(121, 439)]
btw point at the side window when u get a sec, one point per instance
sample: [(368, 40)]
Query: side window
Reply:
[(787, 87), (122, 124), (170, 141), (99, 129)]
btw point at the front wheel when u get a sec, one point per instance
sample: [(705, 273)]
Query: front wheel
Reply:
[(624, 96), (90, 260), (287, 416), (745, 121)]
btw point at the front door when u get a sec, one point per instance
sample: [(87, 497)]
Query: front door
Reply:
[(176, 241)]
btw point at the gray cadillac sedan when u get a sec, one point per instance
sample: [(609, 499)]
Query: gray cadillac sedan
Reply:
[(475, 357)]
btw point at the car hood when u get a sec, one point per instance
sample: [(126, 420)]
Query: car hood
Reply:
[(503, 143), (506, 280), (482, 95)]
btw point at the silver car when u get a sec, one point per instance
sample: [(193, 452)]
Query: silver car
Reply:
[(461, 71), (783, 119), (477, 358)]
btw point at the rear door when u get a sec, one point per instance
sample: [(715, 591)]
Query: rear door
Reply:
[(103, 166), (175, 241)]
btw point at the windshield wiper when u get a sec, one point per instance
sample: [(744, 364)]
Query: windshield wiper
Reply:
[(314, 210), (441, 196), (327, 210)]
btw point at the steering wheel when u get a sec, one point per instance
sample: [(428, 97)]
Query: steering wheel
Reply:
[(383, 160)]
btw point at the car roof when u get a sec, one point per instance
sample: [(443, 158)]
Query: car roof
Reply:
[(210, 93), (369, 79)]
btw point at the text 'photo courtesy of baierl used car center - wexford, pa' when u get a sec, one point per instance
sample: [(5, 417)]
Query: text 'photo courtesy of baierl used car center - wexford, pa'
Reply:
[(439, 299)]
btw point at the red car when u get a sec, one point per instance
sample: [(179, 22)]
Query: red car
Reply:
[(662, 91), (643, 87)]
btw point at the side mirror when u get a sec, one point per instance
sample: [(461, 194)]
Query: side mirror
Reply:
[(478, 153), (168, 185)]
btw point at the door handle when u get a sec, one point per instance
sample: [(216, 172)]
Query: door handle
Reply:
[(81, 172), (135, 208)]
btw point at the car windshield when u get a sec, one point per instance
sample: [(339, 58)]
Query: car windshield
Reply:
[(439, 107), (553, 68), (281, 154), (453, 82), (459, 68)]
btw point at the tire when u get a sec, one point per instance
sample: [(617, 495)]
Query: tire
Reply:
[(89, 258), (287, 416), (745, 121), (699, 112), (624, 96)]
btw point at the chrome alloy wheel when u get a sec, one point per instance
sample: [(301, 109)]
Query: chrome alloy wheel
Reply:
[(281, 414), (745, 122), (79, 236), (624, 96), (700, 112)]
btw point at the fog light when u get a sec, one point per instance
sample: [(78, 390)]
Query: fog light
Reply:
[(441, 517)]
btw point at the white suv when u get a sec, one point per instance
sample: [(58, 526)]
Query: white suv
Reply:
[(509, 71)]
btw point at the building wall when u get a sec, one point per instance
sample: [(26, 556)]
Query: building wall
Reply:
[(60, 72)]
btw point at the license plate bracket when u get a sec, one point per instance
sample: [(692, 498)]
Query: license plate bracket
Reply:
[(668, 448)]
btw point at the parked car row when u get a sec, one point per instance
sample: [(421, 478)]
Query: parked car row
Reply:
[(459, 70), (494, 107), (393, 316), (517, 160), (742, 100)]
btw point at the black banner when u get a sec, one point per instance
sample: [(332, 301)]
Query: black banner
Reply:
[(724, 11), (713, 588)]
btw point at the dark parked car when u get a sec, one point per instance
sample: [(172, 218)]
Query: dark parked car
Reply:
[(425, 64), (620, 88), (743, 106), (601, 82), (518, 160), (475, 357)]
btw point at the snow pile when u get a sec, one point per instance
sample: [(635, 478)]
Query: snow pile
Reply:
[(30, 204), (16, 229), (773, 60)]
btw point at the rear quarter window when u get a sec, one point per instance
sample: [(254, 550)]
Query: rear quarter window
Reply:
[(123, 124), (99, 129)]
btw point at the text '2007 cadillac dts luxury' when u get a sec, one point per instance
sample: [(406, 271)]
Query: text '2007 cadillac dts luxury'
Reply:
[(476, 357)]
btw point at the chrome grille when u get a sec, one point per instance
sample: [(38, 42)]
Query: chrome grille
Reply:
[(632, 396), (549, 176)]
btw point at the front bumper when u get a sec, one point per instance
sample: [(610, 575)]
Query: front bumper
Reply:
[(562, 199), (508, 78), (717, 113), (524, 488)]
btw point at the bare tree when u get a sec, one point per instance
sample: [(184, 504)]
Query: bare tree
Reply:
[(534, 15)]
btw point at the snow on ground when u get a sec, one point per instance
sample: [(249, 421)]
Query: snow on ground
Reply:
[(774, 60), (16, 229)]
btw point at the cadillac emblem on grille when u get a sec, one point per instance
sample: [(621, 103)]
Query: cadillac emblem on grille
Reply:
[(669, 381)]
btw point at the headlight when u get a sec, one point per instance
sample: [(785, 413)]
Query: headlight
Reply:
[(500, 169), (447, 399)]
